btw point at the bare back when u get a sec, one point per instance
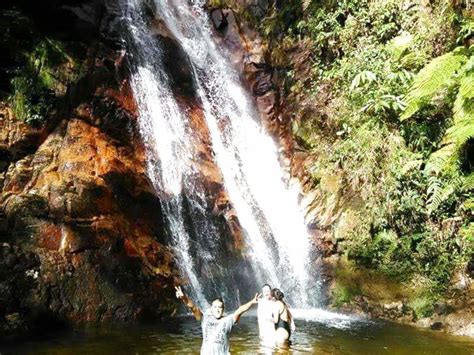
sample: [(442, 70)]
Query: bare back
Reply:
[(283, 311)]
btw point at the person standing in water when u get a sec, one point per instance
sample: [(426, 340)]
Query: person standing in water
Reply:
[(216, 327), (282, 318), (266, 308)]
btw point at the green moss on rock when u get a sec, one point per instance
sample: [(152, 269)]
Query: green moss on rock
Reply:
[(39, 69)]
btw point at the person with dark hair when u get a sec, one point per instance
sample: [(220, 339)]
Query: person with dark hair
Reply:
[(215, 326), (266, 307), (282, 318)]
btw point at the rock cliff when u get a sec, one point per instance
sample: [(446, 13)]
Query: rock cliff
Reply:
[(82, 232), (81, 227)]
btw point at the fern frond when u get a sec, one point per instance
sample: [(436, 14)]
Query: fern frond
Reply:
[(446, 158), (466, 87), (430, 79), (443, 166), (463, 113), (468, 183), (411, 165), (465, 92), (440, 160), (460, 132), (440, 190), (435, 191)]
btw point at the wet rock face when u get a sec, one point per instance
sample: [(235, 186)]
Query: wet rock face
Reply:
[(178, 68), (248, 55), (23, 302), (83, 204), (83, 224)]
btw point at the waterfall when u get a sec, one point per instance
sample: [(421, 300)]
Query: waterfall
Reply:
[(278, 247)]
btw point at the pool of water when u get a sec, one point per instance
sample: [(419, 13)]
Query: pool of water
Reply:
[(318, 332)]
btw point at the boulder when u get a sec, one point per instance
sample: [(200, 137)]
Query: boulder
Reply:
[(219, 19)]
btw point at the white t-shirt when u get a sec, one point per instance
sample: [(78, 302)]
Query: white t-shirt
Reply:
[(215, 334), (266, 327)]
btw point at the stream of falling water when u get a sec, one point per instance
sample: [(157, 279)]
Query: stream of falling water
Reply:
[(267, 208)]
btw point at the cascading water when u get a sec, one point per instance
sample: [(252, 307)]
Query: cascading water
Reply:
[(277, 242), (171, 152)]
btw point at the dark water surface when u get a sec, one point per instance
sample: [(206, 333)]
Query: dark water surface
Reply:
[(183, 336)]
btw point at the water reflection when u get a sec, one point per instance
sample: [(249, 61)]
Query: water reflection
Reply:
[(183, 336)]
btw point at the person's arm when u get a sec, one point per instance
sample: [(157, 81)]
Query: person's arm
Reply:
[(188, 303), (244, 308)]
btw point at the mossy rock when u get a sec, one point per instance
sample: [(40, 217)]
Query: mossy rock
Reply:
[(25, 206), (359, 280)]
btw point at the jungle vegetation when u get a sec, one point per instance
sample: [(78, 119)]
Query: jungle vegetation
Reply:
[(382, 94)]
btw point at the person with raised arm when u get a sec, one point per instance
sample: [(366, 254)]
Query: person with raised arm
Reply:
[(216, 327)]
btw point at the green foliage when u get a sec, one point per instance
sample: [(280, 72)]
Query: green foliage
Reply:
[(455, 68), (431, 79), (281, 18), (430, 254), (45, 75), (342, 294), (423, 306), (38, 69), (363, 78), (386, 252), (467, 231), (30, 102), (467, 29), (407, 182)]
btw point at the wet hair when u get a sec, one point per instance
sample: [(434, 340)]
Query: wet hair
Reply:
[(277, 294), (220, 300), (266, 285)]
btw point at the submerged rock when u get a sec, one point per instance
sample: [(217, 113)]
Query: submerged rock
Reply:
[(436, 326)]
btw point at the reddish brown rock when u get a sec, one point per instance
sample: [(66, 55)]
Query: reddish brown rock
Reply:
[(16, 137), (75, 195)]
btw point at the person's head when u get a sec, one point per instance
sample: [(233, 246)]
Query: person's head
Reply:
[(266, 292), (217, 308), (277, 294)]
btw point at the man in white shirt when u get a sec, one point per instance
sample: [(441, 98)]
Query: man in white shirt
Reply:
[(266, 307), (216, 327)]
